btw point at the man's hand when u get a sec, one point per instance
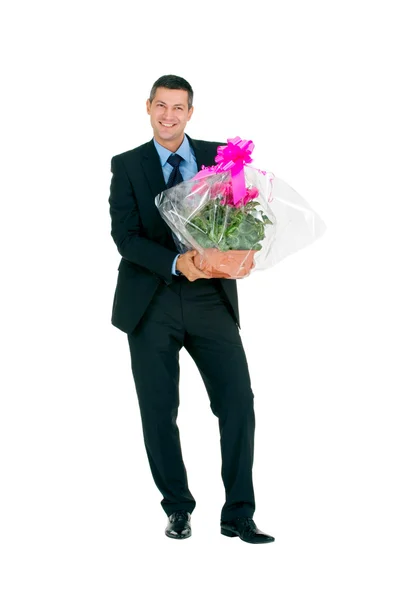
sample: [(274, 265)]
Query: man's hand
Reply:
[(185, 264)]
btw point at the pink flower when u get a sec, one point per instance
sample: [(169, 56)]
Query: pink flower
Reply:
[(252, 193), (221, 188), (224, 190)]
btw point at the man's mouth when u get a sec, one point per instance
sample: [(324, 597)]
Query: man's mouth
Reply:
[(169, 125)]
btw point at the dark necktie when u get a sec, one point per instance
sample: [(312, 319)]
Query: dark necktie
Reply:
[(175, 177)]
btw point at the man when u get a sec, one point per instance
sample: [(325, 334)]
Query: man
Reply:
[(163, 302)]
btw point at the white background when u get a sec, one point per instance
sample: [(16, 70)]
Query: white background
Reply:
[(313, 84)]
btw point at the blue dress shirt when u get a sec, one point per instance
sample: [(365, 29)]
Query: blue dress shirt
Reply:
[(188, 168)]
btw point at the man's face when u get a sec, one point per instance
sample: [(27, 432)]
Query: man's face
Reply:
[(169, 115)]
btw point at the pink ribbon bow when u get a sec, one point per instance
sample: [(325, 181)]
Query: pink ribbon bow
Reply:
[(232, 158)]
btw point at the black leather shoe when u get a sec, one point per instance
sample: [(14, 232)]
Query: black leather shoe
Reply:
[(245, 528), (179, 525)]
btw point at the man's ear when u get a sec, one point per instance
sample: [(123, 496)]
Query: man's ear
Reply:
[(190, 112), (148, 105)]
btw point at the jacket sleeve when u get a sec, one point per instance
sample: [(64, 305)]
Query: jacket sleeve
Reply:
[(126, 230)]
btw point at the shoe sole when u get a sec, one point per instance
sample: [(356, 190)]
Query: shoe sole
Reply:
[(228, 532), (173, 537)]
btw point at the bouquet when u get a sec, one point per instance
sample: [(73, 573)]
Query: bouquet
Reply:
[(225, 212)]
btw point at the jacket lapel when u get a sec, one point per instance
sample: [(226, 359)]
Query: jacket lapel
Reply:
[(152, 169), (203, 155)]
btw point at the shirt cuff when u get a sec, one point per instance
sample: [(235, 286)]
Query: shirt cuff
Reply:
[(174, 271)]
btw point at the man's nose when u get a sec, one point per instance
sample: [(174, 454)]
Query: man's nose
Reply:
[(168, 113)]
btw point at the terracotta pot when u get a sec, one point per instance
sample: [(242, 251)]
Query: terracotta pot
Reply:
[(231, 264)]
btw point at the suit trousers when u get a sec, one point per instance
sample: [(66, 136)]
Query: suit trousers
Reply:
[(195, 315)]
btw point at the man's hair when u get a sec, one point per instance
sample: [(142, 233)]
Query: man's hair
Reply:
[(173, 82)]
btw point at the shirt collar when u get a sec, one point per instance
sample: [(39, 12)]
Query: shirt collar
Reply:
[(164, 153)]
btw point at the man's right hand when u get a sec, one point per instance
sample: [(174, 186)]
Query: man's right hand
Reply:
[(185, 264)]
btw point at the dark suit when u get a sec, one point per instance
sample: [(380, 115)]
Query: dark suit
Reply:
[(142, 236), (162, 312)]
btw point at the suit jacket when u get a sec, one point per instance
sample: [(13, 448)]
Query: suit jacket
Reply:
[(142, 237)]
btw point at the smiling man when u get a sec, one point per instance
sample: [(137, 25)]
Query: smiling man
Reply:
[(163, 302), (169, 110)]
